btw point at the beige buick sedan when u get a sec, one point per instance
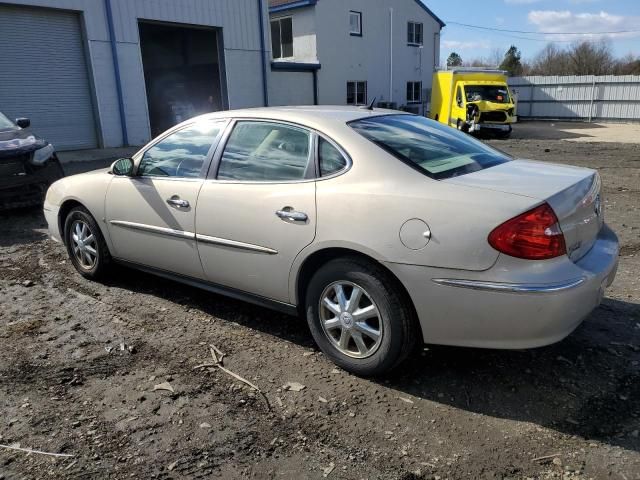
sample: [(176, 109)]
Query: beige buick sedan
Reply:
[(384, 229)]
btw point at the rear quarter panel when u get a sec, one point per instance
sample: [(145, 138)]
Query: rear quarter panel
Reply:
[(365, 208)]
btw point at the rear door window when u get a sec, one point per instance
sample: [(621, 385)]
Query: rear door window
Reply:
[(266, 152), (430, 147)]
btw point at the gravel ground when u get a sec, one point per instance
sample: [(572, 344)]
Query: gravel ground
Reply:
[(80, 360)]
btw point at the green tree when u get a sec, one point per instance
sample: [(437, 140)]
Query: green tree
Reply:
[(454, 60), (511, 62)]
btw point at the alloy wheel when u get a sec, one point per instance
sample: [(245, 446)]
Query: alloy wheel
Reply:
[(85, 246), (350, 319)]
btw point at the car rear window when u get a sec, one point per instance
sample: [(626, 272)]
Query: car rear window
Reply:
[(430, 147)]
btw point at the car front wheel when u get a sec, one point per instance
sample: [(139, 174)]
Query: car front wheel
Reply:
[(85, 244), (359, 316)]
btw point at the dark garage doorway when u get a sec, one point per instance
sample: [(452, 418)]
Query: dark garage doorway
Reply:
[(182, 73)]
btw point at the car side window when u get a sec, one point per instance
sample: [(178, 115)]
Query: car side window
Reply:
[(330, 158), (183, 153), (265, 152)]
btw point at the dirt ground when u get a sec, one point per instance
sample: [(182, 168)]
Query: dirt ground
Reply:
[(79, 362)]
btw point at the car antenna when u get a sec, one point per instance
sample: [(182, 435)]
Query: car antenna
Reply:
[(370, 106)]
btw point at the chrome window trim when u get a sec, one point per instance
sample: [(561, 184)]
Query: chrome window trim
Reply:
[(235, 244), (510, 287), (154, 229)]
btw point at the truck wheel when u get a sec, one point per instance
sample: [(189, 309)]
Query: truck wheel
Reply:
[(462, 126), (504, 135)]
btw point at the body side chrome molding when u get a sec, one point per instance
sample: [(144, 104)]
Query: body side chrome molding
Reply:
[(154, 229), (234, 244), (192, 236), (509, 287)]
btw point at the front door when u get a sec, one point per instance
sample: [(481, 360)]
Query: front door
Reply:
[(259, 211), (151, 216)]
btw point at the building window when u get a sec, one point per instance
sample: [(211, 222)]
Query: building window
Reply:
[(355, 23), (356, 93), (282, 37), (414, 92), (414, 33)]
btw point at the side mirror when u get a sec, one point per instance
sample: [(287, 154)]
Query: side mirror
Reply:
[(23, 122), (123, 167)]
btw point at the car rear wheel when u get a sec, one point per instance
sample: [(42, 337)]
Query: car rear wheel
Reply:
[(359, 316), (86, 246)]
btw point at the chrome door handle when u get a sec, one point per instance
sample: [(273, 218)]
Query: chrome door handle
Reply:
[(177, 202), (292, 215)]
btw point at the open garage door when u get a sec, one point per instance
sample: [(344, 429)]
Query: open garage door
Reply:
[(44, 75), (181, 71)]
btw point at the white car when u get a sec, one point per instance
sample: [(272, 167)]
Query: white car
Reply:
[(384, 229)]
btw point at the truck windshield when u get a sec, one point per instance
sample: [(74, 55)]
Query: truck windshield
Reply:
[(491, 93), (430, 147)]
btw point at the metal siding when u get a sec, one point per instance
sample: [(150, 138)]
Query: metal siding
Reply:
[(44, 76), (237, 19), (615, 97)]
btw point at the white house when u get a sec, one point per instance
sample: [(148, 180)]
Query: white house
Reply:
[(352, 52)]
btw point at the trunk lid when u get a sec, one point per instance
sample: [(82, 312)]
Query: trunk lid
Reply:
[(572, 192)]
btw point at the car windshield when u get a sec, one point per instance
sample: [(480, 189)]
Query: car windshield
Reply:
[(430, 147), (5, 123), (491, 93)]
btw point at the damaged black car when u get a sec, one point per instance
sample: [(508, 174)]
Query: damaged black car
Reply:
[(28, 165)]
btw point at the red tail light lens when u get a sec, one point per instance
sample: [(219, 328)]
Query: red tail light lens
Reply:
[(534, 235)]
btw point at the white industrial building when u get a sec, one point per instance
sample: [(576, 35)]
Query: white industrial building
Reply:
[(173, 59), (108, 73)]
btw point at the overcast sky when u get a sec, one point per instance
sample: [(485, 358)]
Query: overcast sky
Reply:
[(536, 16)]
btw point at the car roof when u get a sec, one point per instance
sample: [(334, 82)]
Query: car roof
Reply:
[(325, 116)]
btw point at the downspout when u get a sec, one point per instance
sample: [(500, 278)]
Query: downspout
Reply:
[(263, 57), (315, 87), (116, 69), (390, 55)]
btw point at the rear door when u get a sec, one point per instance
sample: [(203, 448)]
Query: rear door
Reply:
[(151, 216), (257, 209)]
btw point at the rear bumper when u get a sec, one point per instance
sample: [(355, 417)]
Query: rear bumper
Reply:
[(490, 311)]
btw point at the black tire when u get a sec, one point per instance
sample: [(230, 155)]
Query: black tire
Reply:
[(462, 126), (399, 333), (504, 135), (102, 258)]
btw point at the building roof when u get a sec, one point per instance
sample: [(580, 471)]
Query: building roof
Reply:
[(279, 5)]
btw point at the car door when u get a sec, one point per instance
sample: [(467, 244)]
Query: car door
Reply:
[(151, 215), (257, 210)]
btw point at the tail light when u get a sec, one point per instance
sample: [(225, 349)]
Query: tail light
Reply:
[(533, 235)]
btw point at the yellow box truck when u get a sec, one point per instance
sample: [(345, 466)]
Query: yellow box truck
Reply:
[(473, 100)]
